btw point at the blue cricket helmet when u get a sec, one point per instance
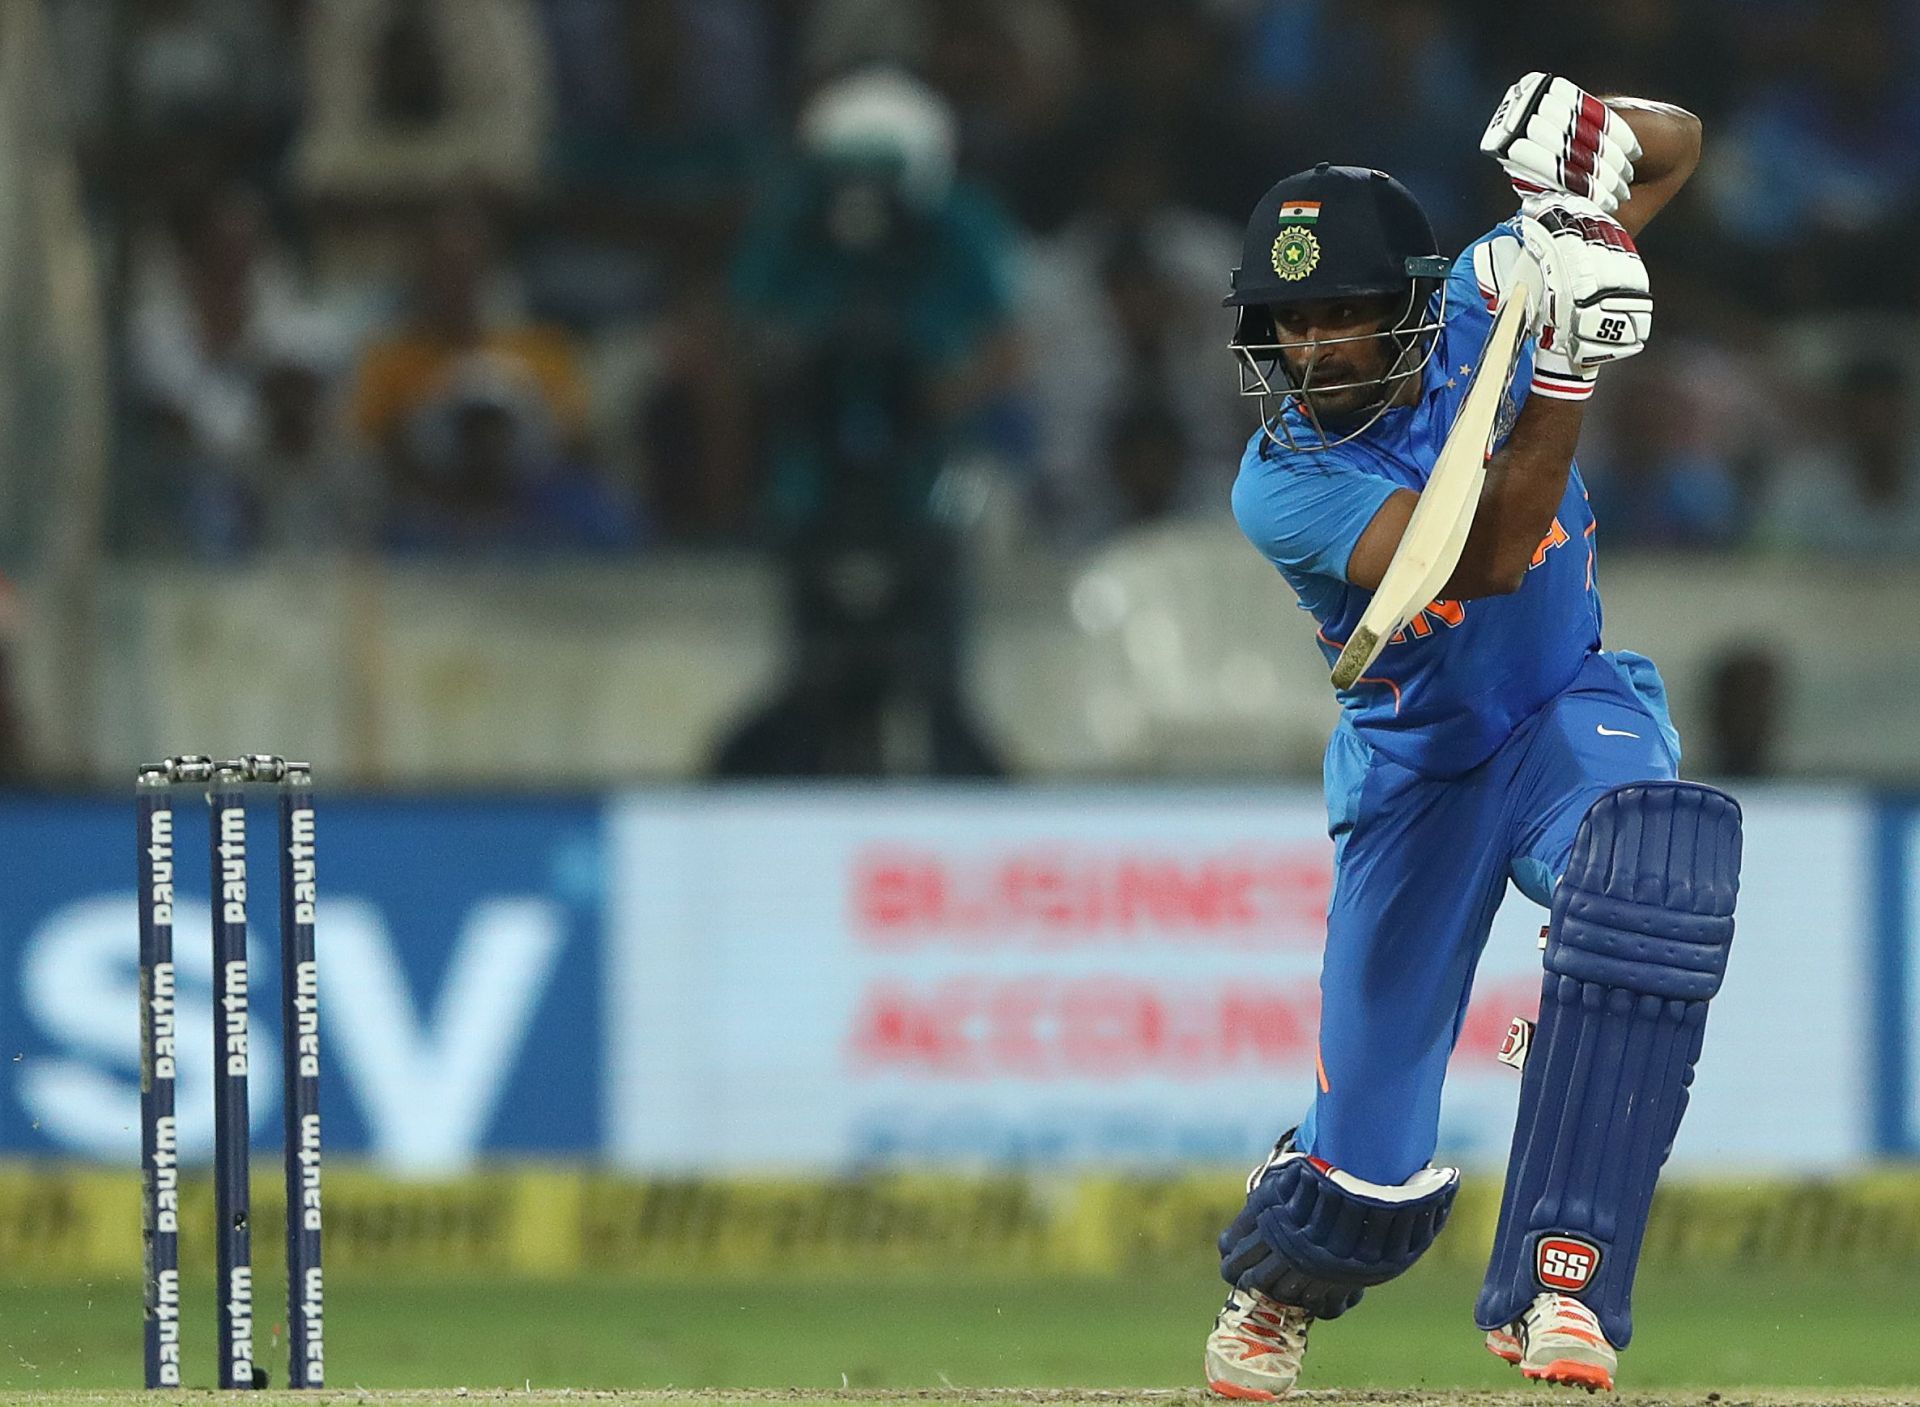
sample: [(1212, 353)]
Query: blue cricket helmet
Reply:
[(1330, 233), (1334, 232)]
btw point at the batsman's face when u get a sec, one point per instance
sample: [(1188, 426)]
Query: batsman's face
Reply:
[(1358, 362)]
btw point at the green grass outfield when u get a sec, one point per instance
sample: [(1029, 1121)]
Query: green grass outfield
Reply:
[(1750, 1336)]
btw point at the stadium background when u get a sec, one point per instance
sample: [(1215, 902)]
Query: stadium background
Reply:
[(932, 1054)]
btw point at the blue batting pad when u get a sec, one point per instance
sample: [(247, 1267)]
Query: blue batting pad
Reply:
[(1641, 924), (1306, 1239)]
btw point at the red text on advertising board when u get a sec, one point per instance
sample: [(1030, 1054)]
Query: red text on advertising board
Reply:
[(1093, 1027), (1047, 895), (1106, 1026)]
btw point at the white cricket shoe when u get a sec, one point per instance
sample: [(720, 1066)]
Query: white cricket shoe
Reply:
[(1255, 1348), (1557, 1340)]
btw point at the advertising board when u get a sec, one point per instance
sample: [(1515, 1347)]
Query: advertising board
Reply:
[(1118, 978), (811, 981), (459, 962)]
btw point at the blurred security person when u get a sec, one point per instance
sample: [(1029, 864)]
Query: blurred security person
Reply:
[(875, 294)]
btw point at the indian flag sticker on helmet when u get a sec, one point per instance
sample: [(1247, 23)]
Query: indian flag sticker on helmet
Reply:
[(1296, 253), (1299, 212)]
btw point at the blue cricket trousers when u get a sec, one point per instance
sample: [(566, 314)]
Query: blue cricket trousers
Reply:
[(1421, 864)]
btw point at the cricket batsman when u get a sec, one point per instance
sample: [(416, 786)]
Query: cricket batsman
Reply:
[(1492, 740)]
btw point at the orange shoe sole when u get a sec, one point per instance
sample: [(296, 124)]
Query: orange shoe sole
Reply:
[(1590, 1376), (1506, 1348), (1221, 1388)]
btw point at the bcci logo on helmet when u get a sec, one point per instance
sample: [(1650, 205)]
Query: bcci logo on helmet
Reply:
[(1565, 1263), (1296, 253)]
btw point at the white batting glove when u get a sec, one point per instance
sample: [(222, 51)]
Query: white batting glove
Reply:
[(1550, 134), (1500, 266), (1598, 306)]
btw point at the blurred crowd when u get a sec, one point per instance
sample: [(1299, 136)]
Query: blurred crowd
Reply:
[(594, 276)]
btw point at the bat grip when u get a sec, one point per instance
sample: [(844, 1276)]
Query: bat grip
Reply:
[(1359, 650)]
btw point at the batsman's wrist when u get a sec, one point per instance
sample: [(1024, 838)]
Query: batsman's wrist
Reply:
[(1562, 381)]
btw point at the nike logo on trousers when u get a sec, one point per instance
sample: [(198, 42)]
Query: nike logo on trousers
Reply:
[(1604, 731)]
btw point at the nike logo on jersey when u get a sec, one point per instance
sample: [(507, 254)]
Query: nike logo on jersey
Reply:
[(1604, 731)]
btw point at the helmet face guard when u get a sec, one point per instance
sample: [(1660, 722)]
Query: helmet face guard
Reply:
[(1334, 232), (1265, 375)]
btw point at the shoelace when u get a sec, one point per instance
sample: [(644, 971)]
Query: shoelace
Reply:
[(1265, 1331), (1554, 1317)]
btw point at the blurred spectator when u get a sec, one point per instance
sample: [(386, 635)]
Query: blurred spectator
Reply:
[(185, 500), (1746, 687), (1123, 313), (208, 302), (1816, 178), (623, 139), (696, 427), (307, 490), (665, 108), (210, 88), (877, 298), (459, 317), (709, 62), (1648, 47), (218, 307), (296, 488), (1666, 472), (1009, 69), (1851, 485), (489, 476), (837, 37), (413, 101), (1155, 71), (1304, 64), (480, 417)]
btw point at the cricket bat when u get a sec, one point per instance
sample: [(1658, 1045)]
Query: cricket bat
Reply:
[(1436, 534)]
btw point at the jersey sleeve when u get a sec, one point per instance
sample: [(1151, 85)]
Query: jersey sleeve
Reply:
[(1306, 512)]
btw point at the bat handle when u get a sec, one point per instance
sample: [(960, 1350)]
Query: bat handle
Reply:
[(1354, 657)]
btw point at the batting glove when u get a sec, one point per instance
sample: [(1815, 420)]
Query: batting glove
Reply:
[(1598, 307), (1550, 134)]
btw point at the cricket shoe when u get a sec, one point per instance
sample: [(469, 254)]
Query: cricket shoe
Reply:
[(1557, 1340), (1255, 1348)]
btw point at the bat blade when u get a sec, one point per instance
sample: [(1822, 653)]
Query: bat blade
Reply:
[(1436, 534)]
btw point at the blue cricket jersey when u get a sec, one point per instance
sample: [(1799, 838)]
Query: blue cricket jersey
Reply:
[(1451, 687)]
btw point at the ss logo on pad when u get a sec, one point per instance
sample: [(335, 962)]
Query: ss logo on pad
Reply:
[(1565, 1262)]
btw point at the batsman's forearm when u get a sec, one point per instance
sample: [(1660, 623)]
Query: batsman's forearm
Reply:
[(1526, 480), (1669, 139)]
